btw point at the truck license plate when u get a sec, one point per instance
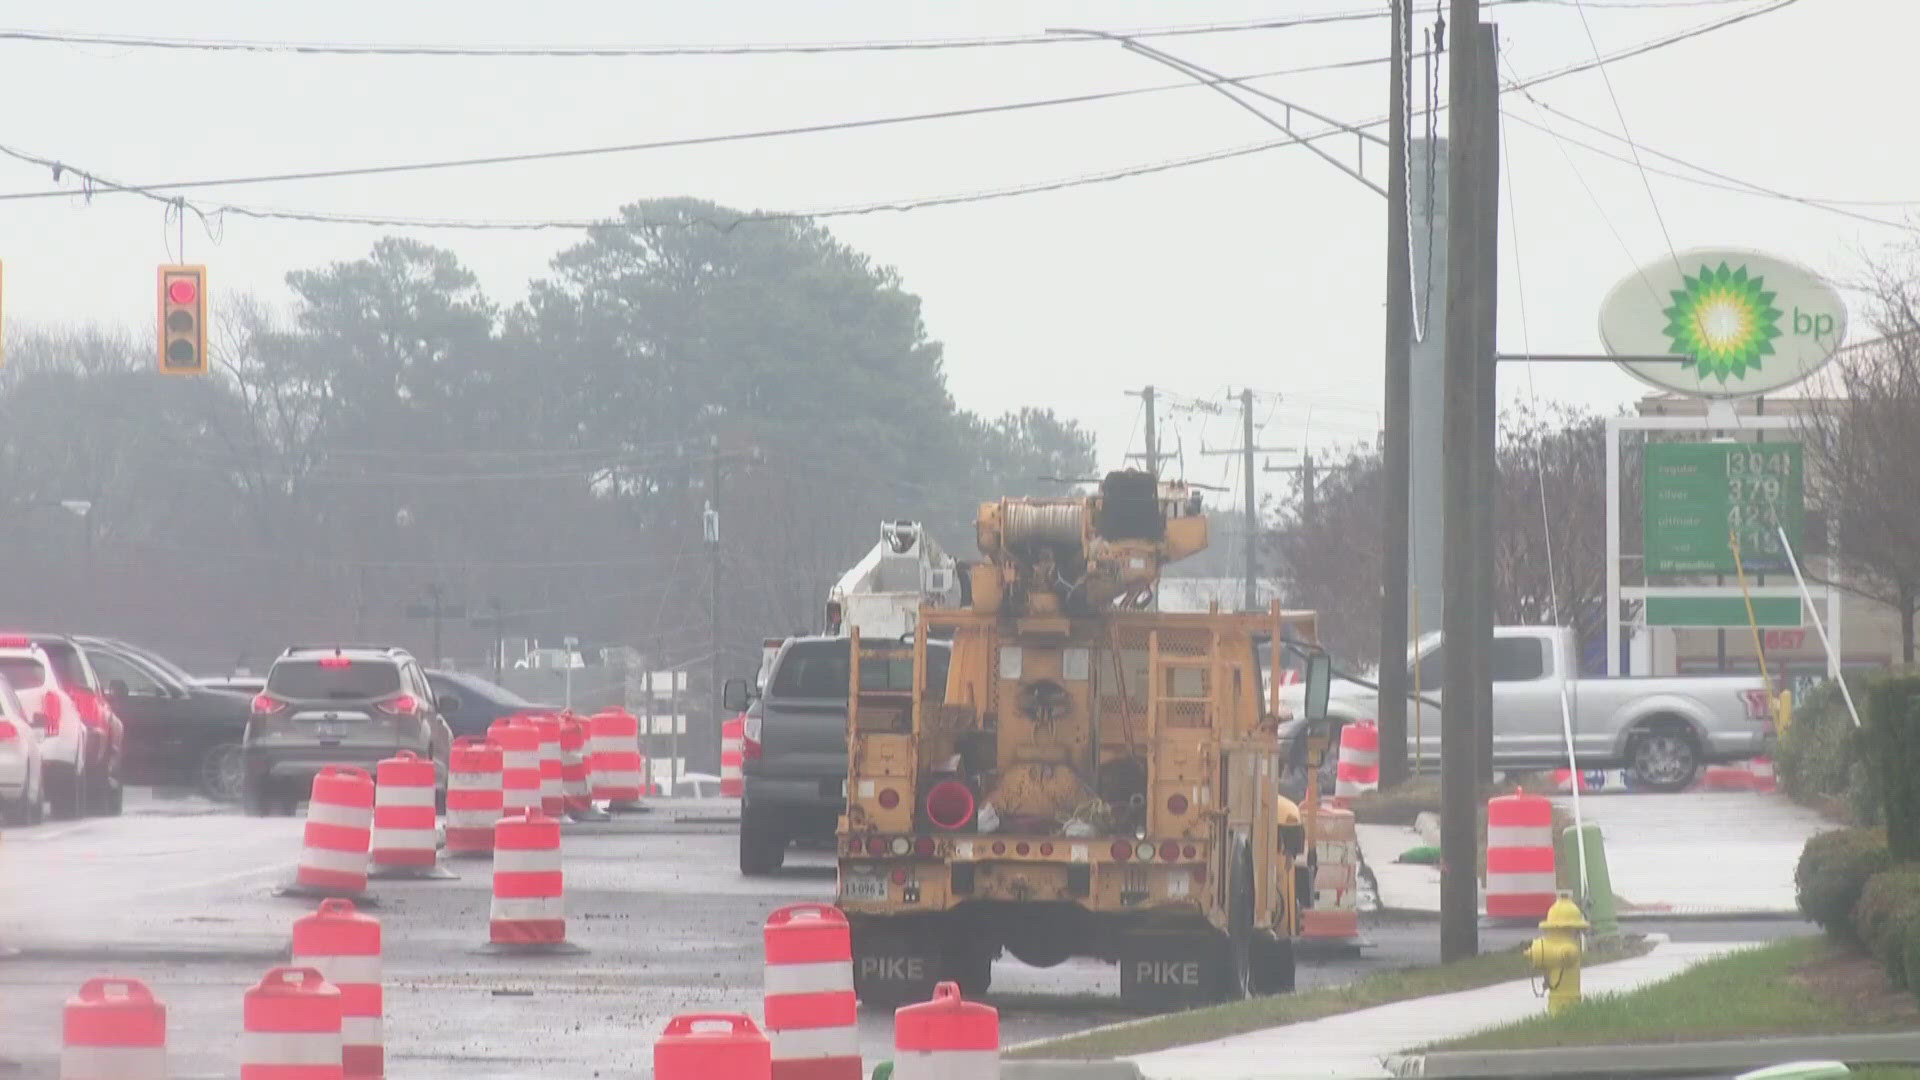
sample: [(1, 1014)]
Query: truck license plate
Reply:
[(863, 885)]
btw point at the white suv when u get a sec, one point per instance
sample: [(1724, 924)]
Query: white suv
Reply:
[(23, 790), (76, 740)]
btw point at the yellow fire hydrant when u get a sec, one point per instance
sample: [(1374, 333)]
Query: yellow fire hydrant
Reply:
[(1556, 953)]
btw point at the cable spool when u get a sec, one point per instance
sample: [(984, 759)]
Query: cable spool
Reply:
[(1043, 523)]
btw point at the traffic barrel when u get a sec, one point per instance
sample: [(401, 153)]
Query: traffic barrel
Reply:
[(733, 746), (292, 1019), (114, 1029), (338, 836), (343, 945), (519, 744), (812, 1016), (1358, 768), (576, 784), (1332, 913), (1520, 871), (615, 763), (474, 797), (712, 1046), (946, 1039), (1763, 776), (405, 843), (553, 801), (529, 894)]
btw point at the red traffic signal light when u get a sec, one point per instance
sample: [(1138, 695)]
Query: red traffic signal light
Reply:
[(183, 320)]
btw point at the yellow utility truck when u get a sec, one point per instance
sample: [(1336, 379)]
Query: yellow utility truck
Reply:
[(1091, 778)]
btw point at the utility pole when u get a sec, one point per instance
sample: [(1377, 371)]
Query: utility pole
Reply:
[(1396, 446), (711, 526), (1145, 395), (1459, 815), (1251, 506), (1486, 102)]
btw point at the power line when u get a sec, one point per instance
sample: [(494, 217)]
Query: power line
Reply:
[(304, 48)]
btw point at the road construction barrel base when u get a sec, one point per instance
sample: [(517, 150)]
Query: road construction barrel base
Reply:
[(300, 891), (436, 872), (590, 813), (530, 948), (629, 808)]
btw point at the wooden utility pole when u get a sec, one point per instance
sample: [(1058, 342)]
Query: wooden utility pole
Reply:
[(1486, 100), (1145, 394), (710, 527), (1395, 448), (1459, 814)]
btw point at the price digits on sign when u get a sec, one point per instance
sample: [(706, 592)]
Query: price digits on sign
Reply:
[(1756, 480)]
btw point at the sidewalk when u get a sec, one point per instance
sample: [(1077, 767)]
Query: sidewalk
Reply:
[(1355, 1044), (1694, 853)]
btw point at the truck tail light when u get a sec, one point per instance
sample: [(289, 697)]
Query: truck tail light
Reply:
[(1121, 850), (876, 846), (889, 798)]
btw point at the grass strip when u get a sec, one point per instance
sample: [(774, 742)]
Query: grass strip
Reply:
[(1253, 1014), (1802, 986)]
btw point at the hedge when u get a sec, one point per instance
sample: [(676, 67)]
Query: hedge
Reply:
[(1887, 917), (1893, 734), (1821, 755), (1833, 871)]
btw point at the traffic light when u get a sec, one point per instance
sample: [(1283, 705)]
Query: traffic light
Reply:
[(183, 320)]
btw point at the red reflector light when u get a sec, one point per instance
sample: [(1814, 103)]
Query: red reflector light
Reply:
[(1190, 852), (876, 846), (889, 798), (999, 847), (1176, 804), (1022, 848), (923, 847), (1121, 851), (182, 291), (899, 877), (335, 662), (1169, 850), (14, 641), (1046, 849)]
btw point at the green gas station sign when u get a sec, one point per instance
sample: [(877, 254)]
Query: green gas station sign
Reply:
[(1698, 496)]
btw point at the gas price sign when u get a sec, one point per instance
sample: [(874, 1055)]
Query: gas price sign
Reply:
[(1697, 495)]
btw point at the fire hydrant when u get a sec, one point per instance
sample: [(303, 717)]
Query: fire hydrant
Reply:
[(1556, 953)]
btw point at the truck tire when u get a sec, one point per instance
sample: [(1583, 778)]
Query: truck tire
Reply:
[(1272, 964), (1663, 756), (761, 851)]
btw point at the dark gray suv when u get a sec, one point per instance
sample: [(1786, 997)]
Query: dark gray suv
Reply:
[(337, 705), (795, 767)]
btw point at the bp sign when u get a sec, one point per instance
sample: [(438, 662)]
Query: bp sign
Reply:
[(1748, 323)]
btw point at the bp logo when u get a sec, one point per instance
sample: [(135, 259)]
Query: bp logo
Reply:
[(1725, 319)]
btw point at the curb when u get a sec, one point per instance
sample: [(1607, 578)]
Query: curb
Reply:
[(1752, 915), (1711, 1057)]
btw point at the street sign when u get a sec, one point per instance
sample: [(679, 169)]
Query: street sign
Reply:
[(1695, 493), (1747, 323)]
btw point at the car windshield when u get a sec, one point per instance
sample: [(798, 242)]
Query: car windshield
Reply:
[(333, 679), (23, 672)]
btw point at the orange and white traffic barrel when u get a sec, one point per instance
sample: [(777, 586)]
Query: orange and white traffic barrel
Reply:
[(1334, 911), (615, 763), (553, 799), (1520, 868), (529, 893), (114, 1029), (576, 783), (733, 747), (338, 836), (519, 744), (711, 1046), (1761, 769), (292, 1019), (405, 839), (946, 1039), (474, 798), (1358, 768), (812, 1015), (343, 945)]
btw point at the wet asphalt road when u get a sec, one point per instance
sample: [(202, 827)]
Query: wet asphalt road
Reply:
[(182, 896)]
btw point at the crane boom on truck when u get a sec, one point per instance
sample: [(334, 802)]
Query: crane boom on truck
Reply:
[(882, 594), (1091, 778)]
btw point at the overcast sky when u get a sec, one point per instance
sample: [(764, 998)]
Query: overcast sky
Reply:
[(1265, 270)]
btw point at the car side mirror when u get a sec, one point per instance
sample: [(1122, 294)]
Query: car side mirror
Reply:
[(449, 704), (117, 688), (1319, 686), (734, 696)]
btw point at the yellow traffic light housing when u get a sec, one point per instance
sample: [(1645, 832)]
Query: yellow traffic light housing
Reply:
[(183, 320)]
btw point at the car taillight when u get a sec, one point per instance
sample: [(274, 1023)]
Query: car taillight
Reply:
[(403, 705), (335, 662), (7, 732), (50, 705), (750, 739), (1757, 704), (267, 704), (14, 641), (87, 707)]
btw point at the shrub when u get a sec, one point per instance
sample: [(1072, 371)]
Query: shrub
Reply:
[(1818, 753), (1834, 868), (1886, 916), (1893, 736), (1912, 959)]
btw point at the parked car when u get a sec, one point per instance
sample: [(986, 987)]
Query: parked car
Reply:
[(1661, 729), (23, 790), (337, 705), (80, 736), (794, 774), (178, 732), (471, 703)]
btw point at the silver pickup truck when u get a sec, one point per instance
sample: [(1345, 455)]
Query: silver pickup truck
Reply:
[(1661, 729)]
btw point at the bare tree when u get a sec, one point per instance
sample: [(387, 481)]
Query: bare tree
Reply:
[(1862, 437)]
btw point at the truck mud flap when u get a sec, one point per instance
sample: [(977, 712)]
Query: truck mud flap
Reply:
[(1172, 969), (893, 967)]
